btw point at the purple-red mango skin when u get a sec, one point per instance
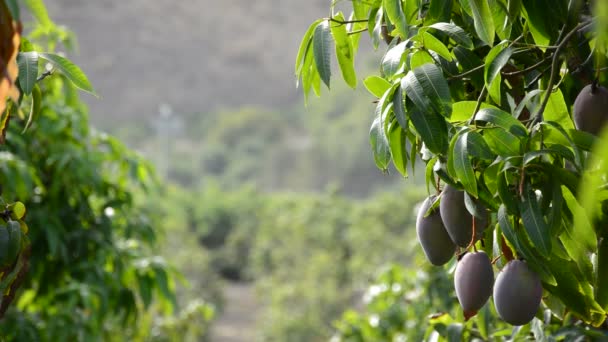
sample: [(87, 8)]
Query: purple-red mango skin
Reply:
[(591, 109), (434, 239), (457, 219), (517, 293), (473, 281)]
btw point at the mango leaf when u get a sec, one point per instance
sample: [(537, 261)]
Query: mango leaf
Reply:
[(508, 231), (477, 146), (579, 240), (322, 42), (529, 157), (463, 110), (419, 58), (28, 70), (502, 119), (394, 11), (432, 128), (534, 222), (377, 86), (361, 9), (431, 43), (35, 108), (304, 47), (557, 110), (500, 17), (428, 89), (38, 10), (344, 51), (69, 70), (535, 13), (397, 140), (526, 100), (375, 26), (506, 195), (522, 248), (391, 62), (496, 59), (439, 11), (482, 17), (379, 141), (462, 165), (399, 107), (455, 32)]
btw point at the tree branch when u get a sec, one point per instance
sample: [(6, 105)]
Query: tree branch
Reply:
[(554, 65)]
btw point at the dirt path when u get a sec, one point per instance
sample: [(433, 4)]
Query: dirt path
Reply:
[(237, 323)]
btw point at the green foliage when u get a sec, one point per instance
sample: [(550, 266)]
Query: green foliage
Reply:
[(91, 270), (483, 91)]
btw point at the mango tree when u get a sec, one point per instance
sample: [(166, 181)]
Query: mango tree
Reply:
[(502, 100)]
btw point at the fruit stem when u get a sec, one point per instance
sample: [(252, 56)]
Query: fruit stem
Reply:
[(472, 243)]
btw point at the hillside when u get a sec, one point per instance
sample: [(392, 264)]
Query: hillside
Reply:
[(196, 55)]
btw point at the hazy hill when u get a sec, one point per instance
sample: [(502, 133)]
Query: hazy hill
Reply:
[(196, 55)]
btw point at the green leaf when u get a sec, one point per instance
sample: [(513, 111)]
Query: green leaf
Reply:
[(500, 17), (394, 11), (462, 165), (557, 110), (28, 70), (578, 240), (419, 58), (392, 60), (322, 45), (344, 51), (502, 119), (304, 48), (375, 25), (482, 17), (379, 141), (35, 108), (521, 247), (399, 107), (496, 59), (69, 70), (428, 89), (432, 129), (455, 32), (361, 9), (439, 11), (463, 110), (397, 139), (308, 73), (507, 229), (506, 195), (535, 13), (526, 100), (38, 10), (529, 157), (477, 146), (431, 43), (377, 86), (534, 222)]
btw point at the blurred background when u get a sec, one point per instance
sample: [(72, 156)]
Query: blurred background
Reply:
[(272, 209)]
